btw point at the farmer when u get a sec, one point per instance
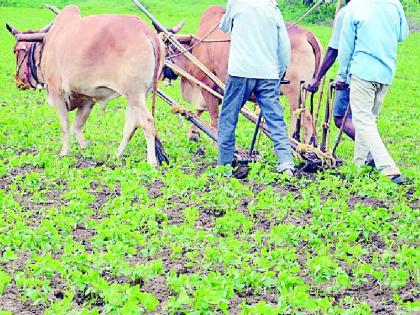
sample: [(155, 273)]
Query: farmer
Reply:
[(259, 56), (367, 57), (342, 97)]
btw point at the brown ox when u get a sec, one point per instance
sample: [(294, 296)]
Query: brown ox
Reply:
[(213, 52), (86, 60)]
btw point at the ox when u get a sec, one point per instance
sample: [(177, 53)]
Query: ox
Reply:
[(86, 60), (213, 52)]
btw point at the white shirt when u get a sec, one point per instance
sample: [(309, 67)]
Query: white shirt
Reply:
[(260, 47)]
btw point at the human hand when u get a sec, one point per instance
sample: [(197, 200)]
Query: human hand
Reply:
[(313, 86), (340, 86)]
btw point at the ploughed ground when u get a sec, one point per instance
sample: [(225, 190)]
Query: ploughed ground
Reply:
[(262, 207)]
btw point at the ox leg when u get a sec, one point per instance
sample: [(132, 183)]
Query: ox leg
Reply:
[(137, 115), (292, 92), (213, 106), (194, 134), (308, 126), (82, 115), (63, 116), (129, 128)]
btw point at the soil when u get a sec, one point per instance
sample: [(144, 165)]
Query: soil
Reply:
[(381, 300), (11, 300)]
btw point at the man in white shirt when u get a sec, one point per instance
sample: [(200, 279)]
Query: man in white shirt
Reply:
[(259, 56)]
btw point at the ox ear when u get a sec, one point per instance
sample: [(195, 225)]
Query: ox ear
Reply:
[(177, 28), (11, 29)]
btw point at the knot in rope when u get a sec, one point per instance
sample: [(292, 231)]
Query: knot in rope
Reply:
[(299, 112), (178, 109), (326, 158)]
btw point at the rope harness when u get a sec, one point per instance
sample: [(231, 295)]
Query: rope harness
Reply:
[(32, 68), (200, 41)]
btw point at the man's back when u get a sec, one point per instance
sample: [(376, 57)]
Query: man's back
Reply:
[(255, 26), (377, 26)]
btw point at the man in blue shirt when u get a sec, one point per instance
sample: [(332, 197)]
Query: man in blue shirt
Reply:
[(259, 56), (367, 55), (342, 96)]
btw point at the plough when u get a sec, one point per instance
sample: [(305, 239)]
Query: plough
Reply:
[(314, 157), (241, 156)]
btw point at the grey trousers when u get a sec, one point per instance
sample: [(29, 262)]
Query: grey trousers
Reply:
[(366, 99)]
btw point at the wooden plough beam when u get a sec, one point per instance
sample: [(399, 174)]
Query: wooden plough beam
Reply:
[(241, 155)]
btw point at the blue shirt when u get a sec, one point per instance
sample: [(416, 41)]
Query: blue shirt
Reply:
[(260, 46), (368, 44), (335, 38)]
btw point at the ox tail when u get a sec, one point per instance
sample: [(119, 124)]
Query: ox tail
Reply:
[(317, 49), (158, 58), (161, 155)]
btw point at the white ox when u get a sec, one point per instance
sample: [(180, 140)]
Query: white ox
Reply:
[(86, 60)]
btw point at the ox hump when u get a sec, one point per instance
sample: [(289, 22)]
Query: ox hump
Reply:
[(70, 11)]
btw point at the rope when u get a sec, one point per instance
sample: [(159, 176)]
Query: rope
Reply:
[(298, 112), (178, 109), (327, 159), (201, 40)]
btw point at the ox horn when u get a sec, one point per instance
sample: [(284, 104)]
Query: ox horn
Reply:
[(52, 8), (177, 28), (35, 37), (46, 28), (11, 29)]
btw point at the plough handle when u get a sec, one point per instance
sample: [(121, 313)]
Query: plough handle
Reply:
[(257, 128), (326, 127), (340, 134), (301, 105)]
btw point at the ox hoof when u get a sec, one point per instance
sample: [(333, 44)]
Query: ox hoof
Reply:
[(194, 136), (64, 154), (155, 166), (85, 144)]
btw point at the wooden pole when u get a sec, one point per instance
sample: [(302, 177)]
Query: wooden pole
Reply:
[(175, 42), (181, 72)]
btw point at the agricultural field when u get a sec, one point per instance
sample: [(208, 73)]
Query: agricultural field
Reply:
[(92, 234)]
